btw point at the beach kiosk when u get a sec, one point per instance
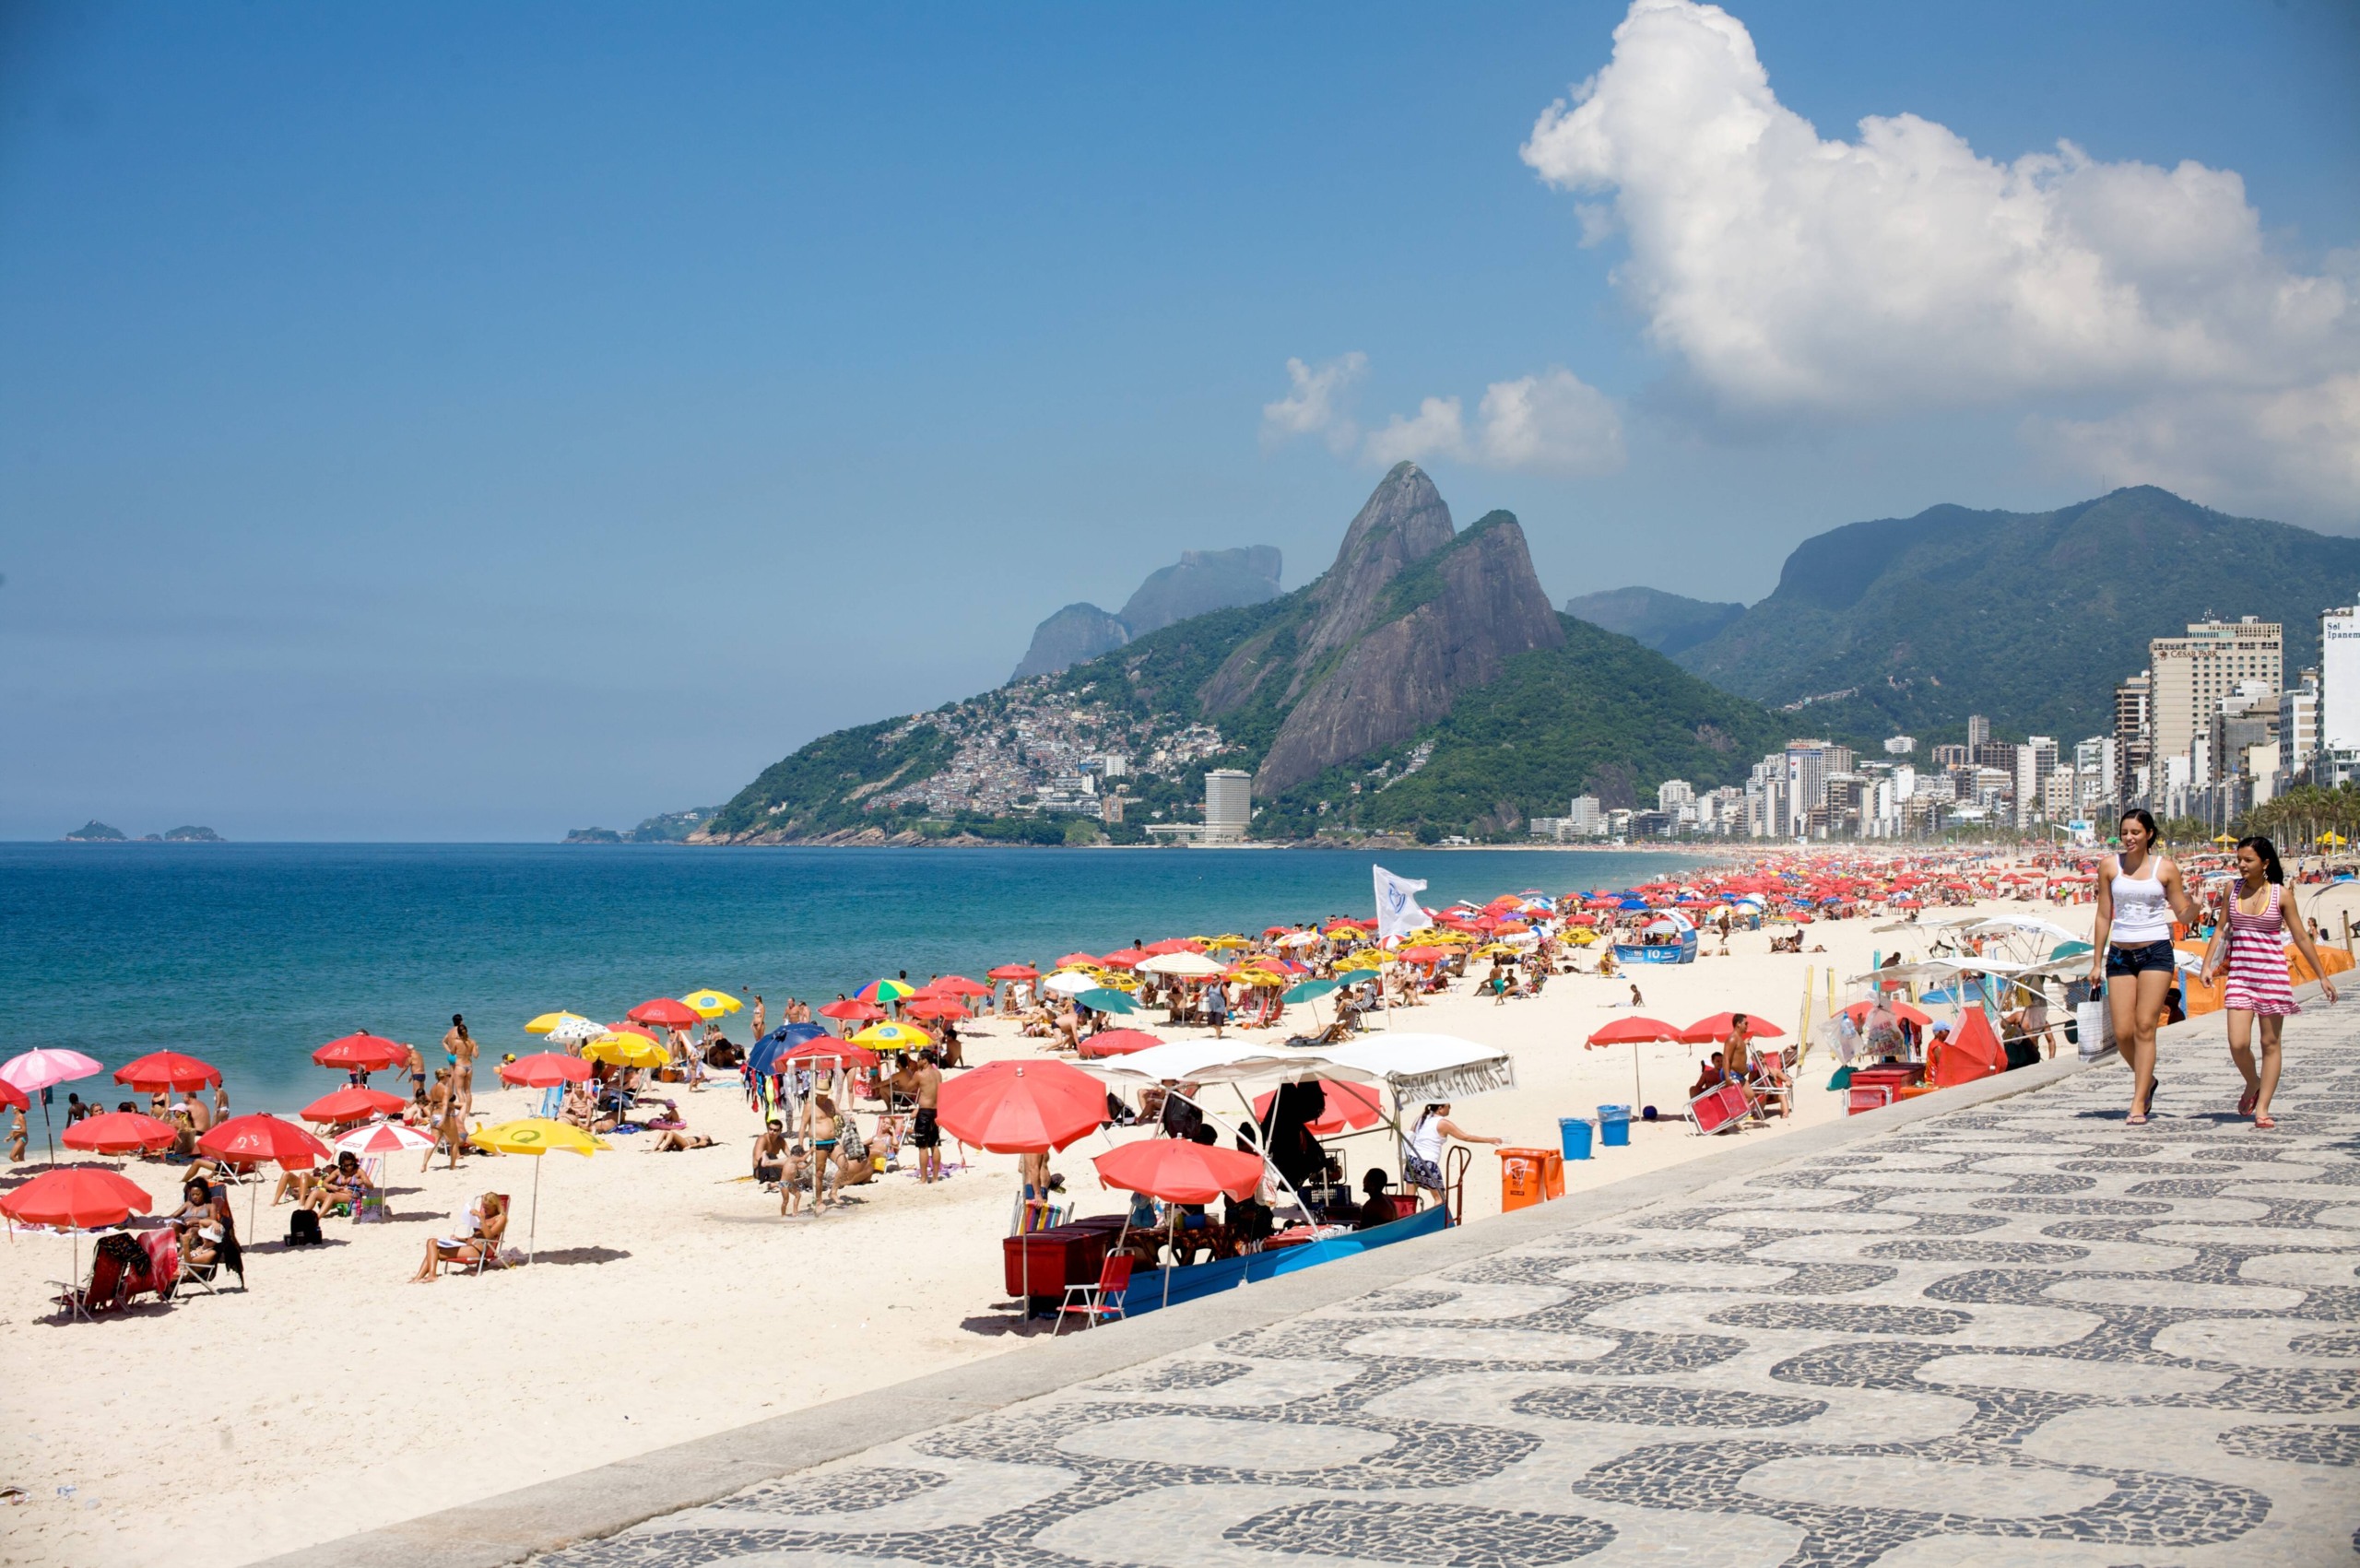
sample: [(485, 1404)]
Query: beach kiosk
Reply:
[(1668, 937), (1411, 1068)]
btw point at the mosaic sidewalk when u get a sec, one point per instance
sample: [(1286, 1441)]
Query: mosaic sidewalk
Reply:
[(2021, 1332)]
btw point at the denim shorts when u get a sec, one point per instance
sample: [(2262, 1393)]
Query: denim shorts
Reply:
[(2145, 957)]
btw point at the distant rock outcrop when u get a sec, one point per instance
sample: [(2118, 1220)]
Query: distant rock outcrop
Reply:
[(1410, 615), (192, 835), (1670, 623), (1075, 634), (594, 835), (95, 832), (1200, 582)]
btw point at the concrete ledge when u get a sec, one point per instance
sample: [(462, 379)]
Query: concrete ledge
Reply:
[(595, 1504)]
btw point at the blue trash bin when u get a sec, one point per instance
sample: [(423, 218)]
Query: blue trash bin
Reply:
[(1572, 1137), (1614, 1126)]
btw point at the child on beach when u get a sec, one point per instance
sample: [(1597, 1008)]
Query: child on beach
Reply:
[(794, 1170)]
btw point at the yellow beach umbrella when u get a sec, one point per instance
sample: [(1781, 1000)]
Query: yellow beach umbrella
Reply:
[(536, 1136), (1229, 942), (893, 1036), (711, 1003), (626, 1051), (549, 1023), (2334, 840)]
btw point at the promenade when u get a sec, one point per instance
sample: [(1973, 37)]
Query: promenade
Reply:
[(2015, 1331)]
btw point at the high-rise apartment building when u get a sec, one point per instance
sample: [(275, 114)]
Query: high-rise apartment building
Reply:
[(1673, 793), (2340, 679), (2298, 722), (1229, 804), (2033, 762), (2133, 732), (1978, 731), (2189, 675)]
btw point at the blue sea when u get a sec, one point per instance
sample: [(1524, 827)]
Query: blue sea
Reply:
[(250, 955)]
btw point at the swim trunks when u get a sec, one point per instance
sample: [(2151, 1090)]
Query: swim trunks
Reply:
[(924, 1131)]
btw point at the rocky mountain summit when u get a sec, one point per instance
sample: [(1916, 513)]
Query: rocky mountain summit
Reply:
[(1421, 681), (1198, 583)]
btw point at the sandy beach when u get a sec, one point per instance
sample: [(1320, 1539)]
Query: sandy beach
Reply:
[(669, 1300)]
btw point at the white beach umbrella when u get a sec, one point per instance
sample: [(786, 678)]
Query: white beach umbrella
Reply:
[(1069, 983), (574, 1030), (1182, 966)]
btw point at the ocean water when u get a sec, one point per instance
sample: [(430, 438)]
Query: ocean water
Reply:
[(252, 955)]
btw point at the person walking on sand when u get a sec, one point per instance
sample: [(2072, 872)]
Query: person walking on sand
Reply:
[(758, 1015), (2257, 913), (461, 1045), (2140, 890), (1217, 1006), (925, 1129), (442, 1115)]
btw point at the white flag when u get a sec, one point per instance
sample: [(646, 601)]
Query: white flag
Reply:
[(1398, 914)]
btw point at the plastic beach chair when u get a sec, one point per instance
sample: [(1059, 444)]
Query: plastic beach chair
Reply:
[(1722, 1108), (1100, 1301)]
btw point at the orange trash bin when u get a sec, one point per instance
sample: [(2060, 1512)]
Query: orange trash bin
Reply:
[(1530, 1175)]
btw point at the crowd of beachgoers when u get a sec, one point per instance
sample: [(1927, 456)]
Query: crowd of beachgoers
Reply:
[(848, 1116)]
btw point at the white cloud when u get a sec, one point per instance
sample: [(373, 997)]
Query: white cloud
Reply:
[(1900, 271), (1552, 423), (1313, 407), (2288, 453)]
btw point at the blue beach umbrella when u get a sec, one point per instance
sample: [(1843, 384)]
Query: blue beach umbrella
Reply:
[(786, 1037)]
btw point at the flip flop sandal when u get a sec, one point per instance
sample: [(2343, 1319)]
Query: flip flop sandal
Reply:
[(2244, 1105), (2265, 1123), (2136, 1119)]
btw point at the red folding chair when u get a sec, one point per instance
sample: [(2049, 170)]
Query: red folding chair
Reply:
[(1719, 1109), (1099, 1302)]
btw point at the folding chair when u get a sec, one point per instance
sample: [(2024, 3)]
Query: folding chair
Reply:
[(1099, 1302), (1722, 1108)]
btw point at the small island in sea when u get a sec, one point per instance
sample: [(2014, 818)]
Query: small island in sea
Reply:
[(95, 832)]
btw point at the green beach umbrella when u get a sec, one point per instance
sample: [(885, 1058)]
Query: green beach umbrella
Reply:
[(1309, 990), (1103, 1000)]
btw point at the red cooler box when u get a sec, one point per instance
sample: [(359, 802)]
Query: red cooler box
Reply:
[(1875, 1086), (1066, 1256)]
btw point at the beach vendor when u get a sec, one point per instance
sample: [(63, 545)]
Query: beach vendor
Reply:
[(1422, 1152)]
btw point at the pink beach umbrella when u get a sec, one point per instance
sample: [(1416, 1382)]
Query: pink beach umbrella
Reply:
[(40, 1068)]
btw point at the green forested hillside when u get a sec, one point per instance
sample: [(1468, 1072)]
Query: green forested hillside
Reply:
[(1913, 623), (1602, 715)]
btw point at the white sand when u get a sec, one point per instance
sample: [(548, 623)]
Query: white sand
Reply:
[(669, 1302)]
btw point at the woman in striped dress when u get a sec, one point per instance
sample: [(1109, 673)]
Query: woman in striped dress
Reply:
[(2258, 913)]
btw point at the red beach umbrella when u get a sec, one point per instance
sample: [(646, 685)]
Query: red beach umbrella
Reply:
[(544, 1069), (120, 1132), (352, 1104), (958, 986), (826, 1053), (1011, 1107), (627, 1027), (1899, 1009), (362, 1053), (1128, 958), (13, 1098), (1635, 1032), (1180, 1173), (666, 1012), (1172, 945), (249, 1140), (1117, 1042), (934, 1007), (1014, 972), (852, 1008), (1349, 1106), (166, 1069), (1715, 1030), (1078, 960), (75, 1197)]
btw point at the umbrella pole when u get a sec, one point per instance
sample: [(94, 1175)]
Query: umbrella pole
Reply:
[(1639, 1095), (533, 1226)]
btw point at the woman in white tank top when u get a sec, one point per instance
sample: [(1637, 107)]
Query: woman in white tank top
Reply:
[(2140, 892)]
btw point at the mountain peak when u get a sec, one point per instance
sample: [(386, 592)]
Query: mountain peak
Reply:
[(1403, 521)]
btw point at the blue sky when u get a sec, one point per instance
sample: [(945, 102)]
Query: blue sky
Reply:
[(448, 422)]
